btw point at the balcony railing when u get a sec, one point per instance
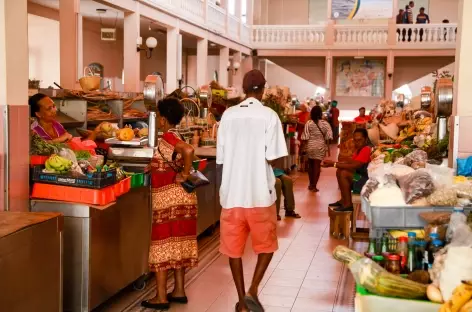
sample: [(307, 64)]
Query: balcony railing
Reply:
[(351, 35), (287, 36), (364, 36), (216, 18), (429, 34)]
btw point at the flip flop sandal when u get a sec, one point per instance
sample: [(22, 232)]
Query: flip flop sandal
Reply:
[(181, 300), (155, 306), (236, 308), (253, 304)]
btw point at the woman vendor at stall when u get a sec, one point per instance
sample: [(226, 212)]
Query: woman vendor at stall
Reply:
[(44, 111), (352, 173)]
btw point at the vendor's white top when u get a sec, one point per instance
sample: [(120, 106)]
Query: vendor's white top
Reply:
[(249, 135)]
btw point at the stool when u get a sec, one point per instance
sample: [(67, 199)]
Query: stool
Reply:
[(359, 234), (339, 223)]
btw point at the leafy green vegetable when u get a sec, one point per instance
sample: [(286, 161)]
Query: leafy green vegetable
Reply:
[(82, 155), (40, 147)]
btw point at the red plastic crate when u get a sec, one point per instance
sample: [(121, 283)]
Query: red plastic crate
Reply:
[(122, 187), (74, 194), (36, 160)]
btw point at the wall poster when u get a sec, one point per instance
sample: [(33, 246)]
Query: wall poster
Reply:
[(359, 77), (361, 9)]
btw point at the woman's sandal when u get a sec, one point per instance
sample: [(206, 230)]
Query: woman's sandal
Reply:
[(292, 214), (253, 304), (155, 306), (181, 300)]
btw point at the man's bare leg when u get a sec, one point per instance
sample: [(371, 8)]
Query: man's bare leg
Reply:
[(263, 261), (236, 265)]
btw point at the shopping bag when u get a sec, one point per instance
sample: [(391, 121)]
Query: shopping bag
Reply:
[(464, 167)]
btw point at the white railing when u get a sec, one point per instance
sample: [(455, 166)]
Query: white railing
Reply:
[(195, 7), (233, 27), (360, 34), (217, 18), (426, 34), (287, 36), (245, 34)]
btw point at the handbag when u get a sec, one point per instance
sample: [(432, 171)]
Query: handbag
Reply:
[(194, 180), (324, 137)]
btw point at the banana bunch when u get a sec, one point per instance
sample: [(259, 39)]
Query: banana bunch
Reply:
[(461, 300), (58, 164)]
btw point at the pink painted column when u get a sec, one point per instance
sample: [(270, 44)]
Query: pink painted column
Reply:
[(223, 68), (328, 72), (237, 74), (202, 62), (68, 32), (131, 58), (461, 120), (389, 79), (171, 62), (14, 178), (249, 12)]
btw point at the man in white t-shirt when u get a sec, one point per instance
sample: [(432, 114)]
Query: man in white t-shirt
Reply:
[(250, 137)]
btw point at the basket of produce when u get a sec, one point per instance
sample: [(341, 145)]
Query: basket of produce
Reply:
[(89, 82), (58, 170)]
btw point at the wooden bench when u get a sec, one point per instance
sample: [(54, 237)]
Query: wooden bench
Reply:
[(357, 234), (339, 223)]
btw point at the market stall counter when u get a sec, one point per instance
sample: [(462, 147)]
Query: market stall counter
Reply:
[(209, 208), (30, 261), (105, 247)]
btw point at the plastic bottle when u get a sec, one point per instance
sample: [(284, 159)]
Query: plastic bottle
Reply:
[(411, 238), (371, 249), (436, 245), (411, 261), (457, 217), (402, 251), (420, 250)]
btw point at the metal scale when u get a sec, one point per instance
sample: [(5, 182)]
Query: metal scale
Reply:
[(138, 152), (443, 105)]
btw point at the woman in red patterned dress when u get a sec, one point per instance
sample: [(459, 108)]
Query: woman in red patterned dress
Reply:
[(174, 224)]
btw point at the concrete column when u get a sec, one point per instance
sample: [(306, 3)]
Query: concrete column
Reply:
[(460, 145), (171, 63), (463, 61), (205, 11), (69, 40), (328, 72), (389, 78), (131, 57), (249, 12), (14, 187), (202, 62), (237, 79), (223, 68)]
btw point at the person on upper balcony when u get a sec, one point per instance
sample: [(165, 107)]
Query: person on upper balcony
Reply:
[(401, 12), (409, 12), (422, 17)]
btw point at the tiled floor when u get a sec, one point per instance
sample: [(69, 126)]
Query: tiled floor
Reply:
[(303, 276)]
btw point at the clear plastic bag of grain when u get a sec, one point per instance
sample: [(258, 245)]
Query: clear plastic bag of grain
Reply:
[(443, 196)]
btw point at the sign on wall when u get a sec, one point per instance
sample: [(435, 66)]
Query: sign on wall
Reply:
[(361, 9), (360, 78)]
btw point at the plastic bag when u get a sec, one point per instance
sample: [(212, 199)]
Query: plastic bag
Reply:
[(369, 187), (442, 175), (399, 171), (389, 195), (443, 196), (87, 145), (464, 167), (417, 156), (416, 185), (375, 164)]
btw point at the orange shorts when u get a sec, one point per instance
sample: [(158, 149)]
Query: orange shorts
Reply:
[(237, 223)]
